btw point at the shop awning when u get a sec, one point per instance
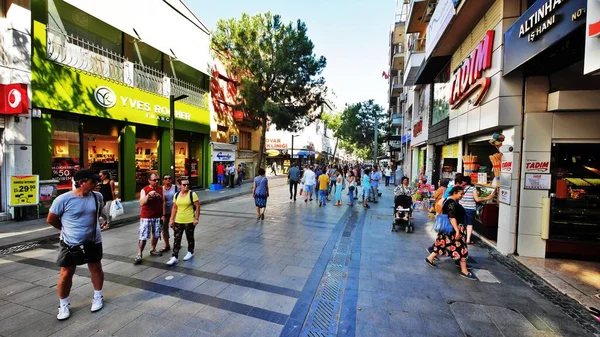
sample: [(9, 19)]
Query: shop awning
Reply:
[(305, 153), (431, 68)]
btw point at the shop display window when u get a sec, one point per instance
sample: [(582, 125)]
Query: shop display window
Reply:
[(575, 214), (102, 153), (65, 151), (181, 159), (146, 161)]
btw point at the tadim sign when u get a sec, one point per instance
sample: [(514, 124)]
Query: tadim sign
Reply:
[(468, 78)]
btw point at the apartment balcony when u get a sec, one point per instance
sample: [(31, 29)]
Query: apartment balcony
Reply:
[(398, 51), (415, 57), (397, 85), (78, 53), (396, 120), (419, 14)]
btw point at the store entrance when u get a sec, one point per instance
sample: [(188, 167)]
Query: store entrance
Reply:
[(146, 162), (575, 204), (101, 152)]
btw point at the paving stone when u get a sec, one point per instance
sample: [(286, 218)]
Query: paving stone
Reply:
[(10, 309), (267, 329), (44, 325), (148, 274), (26, 296), (211, 287), (233, 271), (182, 310), (74, 330), (237, 325), (172, 329), (208, 319), (114, 320), (157, 305), (20, 320), (142, 326), (296, 271), (14, 288), (134, 298)]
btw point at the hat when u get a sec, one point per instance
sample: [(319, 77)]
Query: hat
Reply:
[(85, 174)]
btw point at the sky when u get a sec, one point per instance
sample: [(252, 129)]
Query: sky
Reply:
[(353, 35)]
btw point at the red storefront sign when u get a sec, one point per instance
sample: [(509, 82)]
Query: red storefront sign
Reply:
[(13, 99), (238, 116), (418, 128), (468, 78)]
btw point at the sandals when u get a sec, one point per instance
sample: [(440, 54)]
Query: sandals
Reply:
[(468, 276), (431, 264), (104, 226), (165, 249), (262, 216)]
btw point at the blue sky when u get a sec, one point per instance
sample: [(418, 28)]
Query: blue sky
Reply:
[(353, 35)]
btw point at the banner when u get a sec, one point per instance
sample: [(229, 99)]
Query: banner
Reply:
[(23, 191)]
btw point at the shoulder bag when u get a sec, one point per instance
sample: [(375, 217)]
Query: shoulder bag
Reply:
[(442, 223)]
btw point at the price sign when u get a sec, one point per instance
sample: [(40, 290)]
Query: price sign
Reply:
[(24, 190)]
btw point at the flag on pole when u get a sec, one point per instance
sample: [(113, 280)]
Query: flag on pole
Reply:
[(385, 75)]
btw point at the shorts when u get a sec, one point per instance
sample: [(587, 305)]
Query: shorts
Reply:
[(308, 188), (469, 216), (366, 193), (148, 226), (64, 260), (220, 177)]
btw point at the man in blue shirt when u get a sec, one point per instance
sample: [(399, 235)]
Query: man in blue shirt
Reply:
[(293, 179), (375, 178)]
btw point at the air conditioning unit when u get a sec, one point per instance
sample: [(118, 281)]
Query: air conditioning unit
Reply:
[(233, 139), (403, 97)]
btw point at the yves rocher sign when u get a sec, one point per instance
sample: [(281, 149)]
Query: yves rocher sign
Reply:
[(468, 78)]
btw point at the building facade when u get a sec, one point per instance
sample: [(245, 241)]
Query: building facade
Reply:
[(99, 84), (512, 101)]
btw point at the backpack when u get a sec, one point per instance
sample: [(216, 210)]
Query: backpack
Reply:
[(191, 200)]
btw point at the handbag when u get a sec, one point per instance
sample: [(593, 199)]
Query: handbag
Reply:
[(76, 254), (442, 223)]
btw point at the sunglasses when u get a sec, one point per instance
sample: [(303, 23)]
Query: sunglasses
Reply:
[(154, 180), (167, 178), (185, 184)]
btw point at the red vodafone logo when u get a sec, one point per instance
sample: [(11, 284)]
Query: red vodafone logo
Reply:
[(13, 99)]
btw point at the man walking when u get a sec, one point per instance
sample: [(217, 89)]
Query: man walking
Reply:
[(231, 172), (153, 211), (240, 177), (323, 185), (274, 168), (387, 174), (308, 179), (375, 178), (294, 178), (75, 214)]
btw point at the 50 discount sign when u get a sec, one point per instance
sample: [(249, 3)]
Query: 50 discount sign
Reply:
[(24, 190)]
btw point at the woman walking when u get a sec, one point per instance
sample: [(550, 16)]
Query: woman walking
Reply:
[(404, 188), (351, 183), (107, 189), (260, 192), (339, 184), (469, 203), (184, 218), (169, 191), (439, 194), (455, 243)]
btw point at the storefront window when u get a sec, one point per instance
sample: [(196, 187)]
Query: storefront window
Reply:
[(102, 153), (65, 151), (441, 107), (181, 155), (146, 161)]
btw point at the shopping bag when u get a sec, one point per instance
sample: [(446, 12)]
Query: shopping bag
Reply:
[(442, 224), (116, 209), (301, 189)]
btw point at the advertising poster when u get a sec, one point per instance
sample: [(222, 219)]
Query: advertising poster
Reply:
[(537, 181), (24, 190)]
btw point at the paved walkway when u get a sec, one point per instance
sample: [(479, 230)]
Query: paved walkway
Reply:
[(302, 271), (13, 232)]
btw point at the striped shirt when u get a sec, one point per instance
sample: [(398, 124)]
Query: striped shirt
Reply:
[(468, 199)]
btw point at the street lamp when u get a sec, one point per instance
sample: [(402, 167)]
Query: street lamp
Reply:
[(172, 100), (292, 150)]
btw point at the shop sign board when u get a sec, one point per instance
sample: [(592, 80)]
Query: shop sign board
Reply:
[(504, 196), (275, 143), (468, 78), (450, 151), (535, 181), (61, 88), (542, 25), (14, 99), (592, 38), (23, 190), (507, 162), (221, 155), (444, 11)]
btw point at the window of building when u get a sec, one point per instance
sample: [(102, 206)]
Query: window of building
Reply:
[(65, 151), (245, 141), (441, 97)]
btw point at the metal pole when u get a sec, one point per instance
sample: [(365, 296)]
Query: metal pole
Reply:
[(172, 135), (292, 152), (376, 146)]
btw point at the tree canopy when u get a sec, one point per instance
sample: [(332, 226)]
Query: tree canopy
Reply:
[(279, 76), (355, 127)]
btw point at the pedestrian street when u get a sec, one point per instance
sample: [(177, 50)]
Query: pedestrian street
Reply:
[(302, 271)]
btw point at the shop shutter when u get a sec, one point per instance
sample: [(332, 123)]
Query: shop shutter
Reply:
[(489, 21)]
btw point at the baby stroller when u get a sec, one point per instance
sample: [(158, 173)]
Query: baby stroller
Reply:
[(402, 213)]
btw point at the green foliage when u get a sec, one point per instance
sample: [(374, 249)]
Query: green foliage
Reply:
[(280, 77), (355, 127)]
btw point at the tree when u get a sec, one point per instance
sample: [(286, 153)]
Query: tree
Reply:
[(280, 77), (355, 127)]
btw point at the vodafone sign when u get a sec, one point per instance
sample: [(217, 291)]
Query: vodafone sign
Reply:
[(13, 99), (468, 78)]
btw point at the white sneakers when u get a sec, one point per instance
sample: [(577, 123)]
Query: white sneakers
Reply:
[(172, 261), (97, 303), (64, 312), (188, 256)]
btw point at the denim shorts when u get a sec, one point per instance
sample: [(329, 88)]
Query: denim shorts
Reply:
[(469, 216), (308, 188)]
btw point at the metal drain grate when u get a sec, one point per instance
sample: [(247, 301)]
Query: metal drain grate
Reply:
[(323, 315), (19, 248)]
